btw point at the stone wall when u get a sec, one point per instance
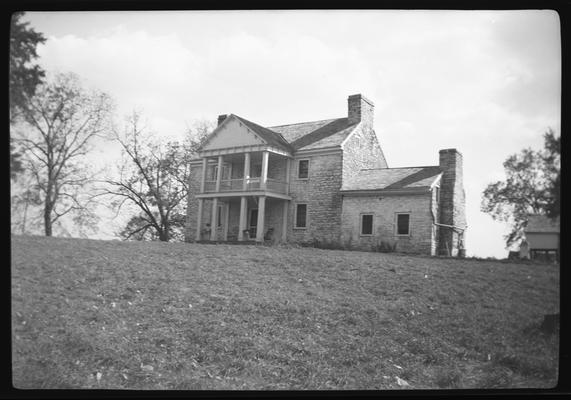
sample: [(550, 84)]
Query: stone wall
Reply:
[(384, 210), (321, 194), (362, 151), (435, 234), (452, 201)]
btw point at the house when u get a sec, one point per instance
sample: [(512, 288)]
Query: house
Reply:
[(326, 181), (541, 239)]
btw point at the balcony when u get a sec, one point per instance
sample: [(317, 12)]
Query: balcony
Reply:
[(252, 185)]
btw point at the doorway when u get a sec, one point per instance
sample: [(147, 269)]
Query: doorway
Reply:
[(253, 222)]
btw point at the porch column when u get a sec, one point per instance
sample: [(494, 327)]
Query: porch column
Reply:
[(203, 179), (284, 221), (261, 212), (199, 219), (264, 177), (219, 173), (243, 216), (246, 171), (213, 224)]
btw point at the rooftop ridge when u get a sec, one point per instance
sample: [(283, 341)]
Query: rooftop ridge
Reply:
[(420, 166), (307, 122)]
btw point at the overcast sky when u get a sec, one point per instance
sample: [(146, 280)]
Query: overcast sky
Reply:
[(485, 82)]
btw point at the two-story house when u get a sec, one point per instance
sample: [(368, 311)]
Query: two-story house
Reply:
[(325, 181)]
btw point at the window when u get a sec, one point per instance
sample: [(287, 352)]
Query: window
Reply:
[(366, 224), (301, 216), (437, 190), (226, 171), (256, 171), (403, 224), (303, 169)]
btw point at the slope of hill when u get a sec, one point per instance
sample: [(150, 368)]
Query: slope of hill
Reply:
[(140, 315)]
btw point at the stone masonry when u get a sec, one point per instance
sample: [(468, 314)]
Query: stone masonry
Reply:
[(384, 210), (452, 202), (321, 194)]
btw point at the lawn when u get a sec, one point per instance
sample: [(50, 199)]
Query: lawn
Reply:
[(145, 315)]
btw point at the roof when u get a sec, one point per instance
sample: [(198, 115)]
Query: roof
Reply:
[(292, 132), (393, 178), (305, 135), (271, 137), (316, 134), (541, 224)]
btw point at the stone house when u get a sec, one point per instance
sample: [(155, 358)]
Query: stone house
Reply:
[(324, 182)]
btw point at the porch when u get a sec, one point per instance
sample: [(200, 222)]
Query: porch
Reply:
[(245, 172), (242, 219)]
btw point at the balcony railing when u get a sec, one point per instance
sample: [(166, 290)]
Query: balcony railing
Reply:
[(253, 184)]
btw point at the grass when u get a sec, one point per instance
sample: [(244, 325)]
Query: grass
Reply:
[(146, 315)]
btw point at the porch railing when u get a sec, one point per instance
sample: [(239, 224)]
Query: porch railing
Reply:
[(253, 184)]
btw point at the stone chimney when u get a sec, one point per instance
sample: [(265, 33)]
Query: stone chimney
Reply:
[(452, 206), (360, 109), (221, 118)]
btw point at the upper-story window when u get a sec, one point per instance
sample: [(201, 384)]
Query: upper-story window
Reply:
[(226, 171), (303, 169), (256, 171), (437, 194)]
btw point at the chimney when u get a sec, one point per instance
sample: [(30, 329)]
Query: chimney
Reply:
[(221, 118), (452, 207), (360, 109)]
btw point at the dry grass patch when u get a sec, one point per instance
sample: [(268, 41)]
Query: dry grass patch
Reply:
[(106, 314)]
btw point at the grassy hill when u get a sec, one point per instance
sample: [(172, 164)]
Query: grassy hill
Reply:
[(140, 315)]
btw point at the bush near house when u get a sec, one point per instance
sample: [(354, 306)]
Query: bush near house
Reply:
[(150, 315)]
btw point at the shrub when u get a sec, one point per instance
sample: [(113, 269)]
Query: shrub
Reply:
[(386, 247)]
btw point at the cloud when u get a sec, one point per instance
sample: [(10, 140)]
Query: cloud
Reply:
[(138, 69)]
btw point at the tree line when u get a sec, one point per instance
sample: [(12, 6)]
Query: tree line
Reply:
[(55, 122)]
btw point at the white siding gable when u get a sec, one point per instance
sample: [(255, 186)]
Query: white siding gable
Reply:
[(232, 133)]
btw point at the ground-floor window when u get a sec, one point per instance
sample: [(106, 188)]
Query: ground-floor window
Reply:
[(403, 224), (366, 224), (301, 215)]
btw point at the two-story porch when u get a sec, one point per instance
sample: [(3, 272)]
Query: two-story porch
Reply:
[(244, 195)]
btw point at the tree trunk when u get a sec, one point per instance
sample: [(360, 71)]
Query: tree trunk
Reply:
[(164, 236), (48, 221)]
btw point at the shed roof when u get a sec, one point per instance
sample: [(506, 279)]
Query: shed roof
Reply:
[(541, 224)]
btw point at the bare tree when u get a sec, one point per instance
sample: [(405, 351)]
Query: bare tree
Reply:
[(153, 177), (62, 121)]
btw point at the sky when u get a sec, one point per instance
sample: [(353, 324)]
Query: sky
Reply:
[(487, 83)]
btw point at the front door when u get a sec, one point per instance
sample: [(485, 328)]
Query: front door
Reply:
[(253, 222)]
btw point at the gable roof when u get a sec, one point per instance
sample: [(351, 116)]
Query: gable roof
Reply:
[(316, 134), (541, 224), (300, 136), (271, 137), (387, 179), (292, 132)]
